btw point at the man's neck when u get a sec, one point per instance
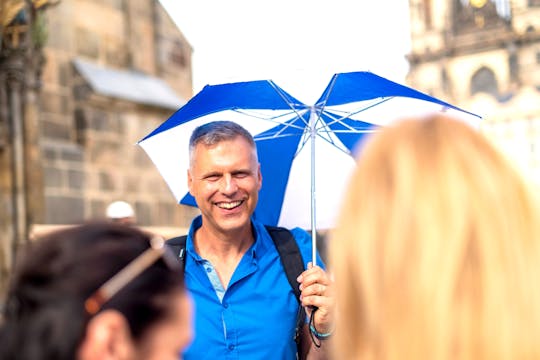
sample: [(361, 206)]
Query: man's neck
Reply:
[(211, 243), (224, 251)]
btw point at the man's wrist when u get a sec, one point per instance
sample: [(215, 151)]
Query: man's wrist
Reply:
[(319, 335)]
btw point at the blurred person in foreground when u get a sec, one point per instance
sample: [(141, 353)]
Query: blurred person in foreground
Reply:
[(436, 254), (96, 291)]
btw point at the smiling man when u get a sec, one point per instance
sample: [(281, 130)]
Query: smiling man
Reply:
[(245, 306)]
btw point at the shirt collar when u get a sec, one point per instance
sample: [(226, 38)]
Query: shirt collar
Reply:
[(258, 249)]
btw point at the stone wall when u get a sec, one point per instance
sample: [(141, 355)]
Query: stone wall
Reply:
[(88, 139), (79, 147)]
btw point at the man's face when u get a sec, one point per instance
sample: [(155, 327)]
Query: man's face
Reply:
[(225, 180)]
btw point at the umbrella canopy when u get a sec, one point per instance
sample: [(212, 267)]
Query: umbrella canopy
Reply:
[(306, 151)]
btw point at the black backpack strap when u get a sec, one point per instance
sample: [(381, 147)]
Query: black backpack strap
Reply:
[(290, 256), (178, 246), (292, 262)]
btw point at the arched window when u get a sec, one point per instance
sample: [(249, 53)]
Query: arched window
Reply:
[(484, 81)]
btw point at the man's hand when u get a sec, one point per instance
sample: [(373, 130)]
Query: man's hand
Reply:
[(318, 292)]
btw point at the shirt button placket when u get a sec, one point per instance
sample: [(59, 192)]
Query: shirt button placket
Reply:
[(231, 336)]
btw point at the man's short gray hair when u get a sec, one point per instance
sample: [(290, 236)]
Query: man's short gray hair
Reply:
[(215, 132)]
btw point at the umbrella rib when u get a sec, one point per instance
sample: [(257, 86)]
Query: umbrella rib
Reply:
[(349, 114), (260, 138), (306, 138), (330, 87), (273, 120), (325, 129), (259, 116), (292, 106), (287, 124), (349, 128)]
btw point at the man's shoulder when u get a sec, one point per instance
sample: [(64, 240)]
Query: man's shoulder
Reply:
[(299, 231), (296, 231), (299, 234), (302, 237)]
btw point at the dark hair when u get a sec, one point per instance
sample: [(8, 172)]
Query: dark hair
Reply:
[(216, 131), (45, 316)]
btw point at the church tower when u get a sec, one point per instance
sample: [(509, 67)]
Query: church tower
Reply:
[(484, 55), (463, 47)]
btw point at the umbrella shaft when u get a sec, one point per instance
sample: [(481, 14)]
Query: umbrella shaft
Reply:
[(312, 129)]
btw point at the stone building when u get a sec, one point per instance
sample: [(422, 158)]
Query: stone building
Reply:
[(484, 55), (112, 70)]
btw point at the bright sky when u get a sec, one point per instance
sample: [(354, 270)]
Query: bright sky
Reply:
[(299, 44)]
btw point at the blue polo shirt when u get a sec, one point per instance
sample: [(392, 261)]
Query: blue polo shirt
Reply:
[(254, 318)]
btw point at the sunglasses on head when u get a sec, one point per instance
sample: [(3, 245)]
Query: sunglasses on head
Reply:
[(111, 287)]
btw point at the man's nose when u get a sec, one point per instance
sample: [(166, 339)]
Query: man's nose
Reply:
[(228, 185)]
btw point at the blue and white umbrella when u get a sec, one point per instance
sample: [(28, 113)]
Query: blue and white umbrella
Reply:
[(306, 151)]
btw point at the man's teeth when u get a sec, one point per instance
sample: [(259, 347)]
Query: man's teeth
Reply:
[(229, 205)]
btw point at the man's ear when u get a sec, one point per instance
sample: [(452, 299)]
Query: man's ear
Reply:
[(259, 175), (108, 337), (189, 181)]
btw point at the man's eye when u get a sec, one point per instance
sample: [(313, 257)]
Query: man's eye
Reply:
[(241, 175), (212, 178)]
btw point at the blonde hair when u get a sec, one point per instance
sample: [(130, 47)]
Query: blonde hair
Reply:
[(435, 253)]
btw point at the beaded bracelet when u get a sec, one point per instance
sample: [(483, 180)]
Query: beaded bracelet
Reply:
[(318, 335), (314, 333)]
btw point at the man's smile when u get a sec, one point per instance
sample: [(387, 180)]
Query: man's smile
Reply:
[(229, 205)]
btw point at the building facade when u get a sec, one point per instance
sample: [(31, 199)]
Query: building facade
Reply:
[(109, 72), (484, 55)]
